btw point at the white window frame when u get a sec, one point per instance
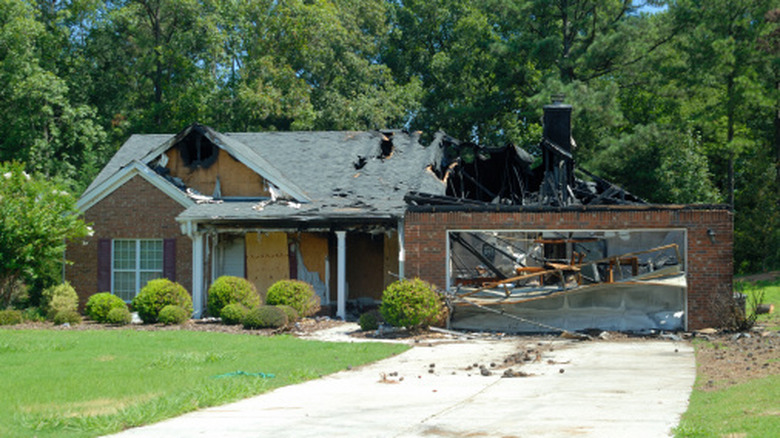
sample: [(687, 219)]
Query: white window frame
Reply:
[(137, 270)]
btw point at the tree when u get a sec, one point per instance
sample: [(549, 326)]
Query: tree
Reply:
[(36, 218), (39, 124)]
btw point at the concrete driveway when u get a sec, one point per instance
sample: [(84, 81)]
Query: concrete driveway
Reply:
[(586, 389)]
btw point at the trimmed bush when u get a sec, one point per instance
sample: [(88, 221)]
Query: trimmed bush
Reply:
[(59, 298), (292, 314), (100, 304), (265, 317), (119, 316), (369, 321), (68, 316), (233, 314), (412, 304), (10, 317), (294, 293), (33, 314), (229, 290), (158, 294), (173, 315)]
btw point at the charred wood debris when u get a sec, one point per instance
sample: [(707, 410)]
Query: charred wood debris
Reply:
[(477, 176)]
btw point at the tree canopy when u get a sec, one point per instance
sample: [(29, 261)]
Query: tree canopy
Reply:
[(678, 101)]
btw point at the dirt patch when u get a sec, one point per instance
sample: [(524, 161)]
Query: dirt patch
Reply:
[(726, 359), (764, 276)]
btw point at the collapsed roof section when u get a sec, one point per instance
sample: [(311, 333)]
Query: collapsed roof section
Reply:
[(482, 176)]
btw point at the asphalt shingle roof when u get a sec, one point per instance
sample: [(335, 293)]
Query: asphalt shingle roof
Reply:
[(342, 173)]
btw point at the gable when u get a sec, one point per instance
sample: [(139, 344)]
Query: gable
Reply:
[(234, 177), (98, 192)]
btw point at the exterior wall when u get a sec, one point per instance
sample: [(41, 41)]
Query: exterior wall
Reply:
[(709, 265), (137, 210), (235, 179)]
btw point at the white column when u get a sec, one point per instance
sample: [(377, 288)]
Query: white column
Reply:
[(341, 278), (197, 273), (401, 250)]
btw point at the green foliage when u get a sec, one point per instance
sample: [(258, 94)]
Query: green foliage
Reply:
[(118, 316), (158, 294), (66, 316), (412, 304), (369, 321), (233, 313), (173, 315), (33, 314), (265, 317), (99, 305), (292, 314), (36, 218), (229, 290), (294, 293), (59, 298), (10, 317)]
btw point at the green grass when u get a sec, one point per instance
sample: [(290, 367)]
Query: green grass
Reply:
[(747, 410), (90, 383), (750, 408)]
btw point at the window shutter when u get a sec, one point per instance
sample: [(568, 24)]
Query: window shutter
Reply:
[(169, 259), (104, 265)]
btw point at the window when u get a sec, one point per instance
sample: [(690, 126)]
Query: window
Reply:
[(134, 263)]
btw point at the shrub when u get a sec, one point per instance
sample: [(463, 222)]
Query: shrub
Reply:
[(412, 304), (119, 316), (173, 315), (294, 293), (33, 314), (292, 314), (68, 316), (10, 317), (369, 321), (228, 290), (265, 317), (158, 294), (233, 314), (100, 304), (59, 298)]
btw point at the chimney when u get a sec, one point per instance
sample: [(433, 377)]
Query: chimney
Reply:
[(557, 149), (557, 123)]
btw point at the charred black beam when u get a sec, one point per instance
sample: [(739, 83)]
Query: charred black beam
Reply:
[(467, 246)]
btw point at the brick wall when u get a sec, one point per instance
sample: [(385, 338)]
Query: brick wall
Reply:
[(709, 267), (136, 210)]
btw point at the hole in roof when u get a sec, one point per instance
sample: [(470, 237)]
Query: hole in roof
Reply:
[(197, 150)]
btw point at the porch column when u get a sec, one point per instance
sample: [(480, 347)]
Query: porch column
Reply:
[(198, 252), (341, 277), (401, 250)]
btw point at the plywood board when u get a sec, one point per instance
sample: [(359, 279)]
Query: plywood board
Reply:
[(235, 178), (267, 259), (365, 265)]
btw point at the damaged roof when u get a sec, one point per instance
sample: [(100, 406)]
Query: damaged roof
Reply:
[(320, 175)]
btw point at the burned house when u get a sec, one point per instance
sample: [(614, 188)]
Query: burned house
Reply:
[(525, 246), (350, 212)]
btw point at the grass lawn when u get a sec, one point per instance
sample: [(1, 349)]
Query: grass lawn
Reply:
[(90, 383), (745, 410)]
